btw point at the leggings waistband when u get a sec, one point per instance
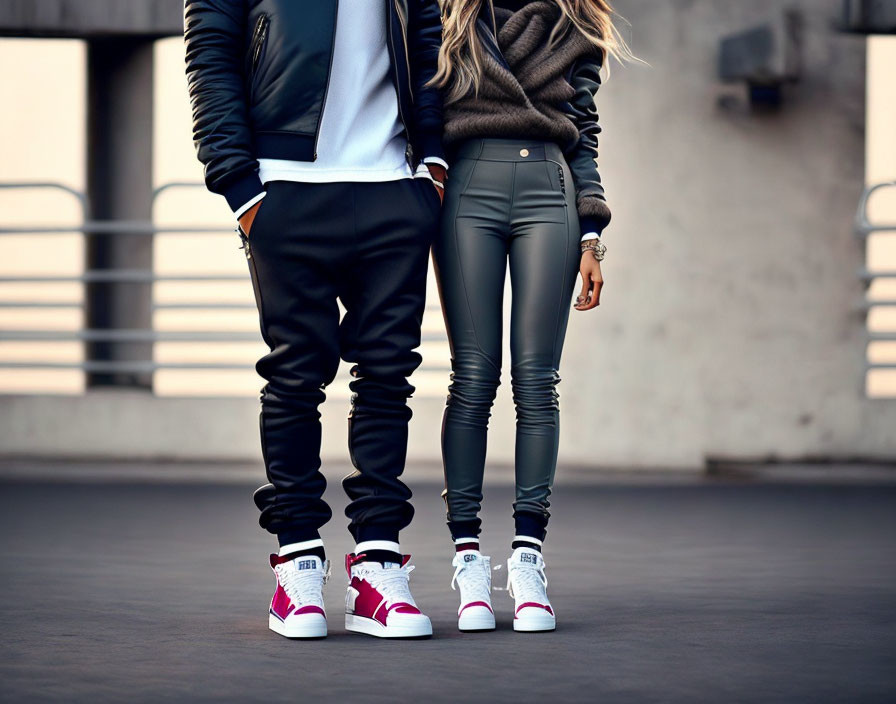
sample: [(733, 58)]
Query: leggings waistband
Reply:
[(494, 149)]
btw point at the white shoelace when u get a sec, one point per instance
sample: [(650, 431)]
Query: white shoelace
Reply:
[(392, 582), (474, 579), (304, 587), (527, 583)]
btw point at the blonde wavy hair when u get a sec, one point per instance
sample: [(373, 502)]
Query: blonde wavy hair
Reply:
[(461, 55)]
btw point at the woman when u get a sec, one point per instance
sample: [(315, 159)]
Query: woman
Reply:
[(519, 79)]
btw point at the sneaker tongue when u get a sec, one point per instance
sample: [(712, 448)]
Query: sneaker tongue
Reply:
[(526, 556)]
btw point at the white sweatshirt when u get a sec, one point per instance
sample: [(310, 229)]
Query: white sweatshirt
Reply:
[(361, 137)]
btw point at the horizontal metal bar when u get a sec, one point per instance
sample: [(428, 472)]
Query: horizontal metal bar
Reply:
[(118, 227), (47, 185), (871, 365), (143, 367), (864, 227), (882, 303), (882, 336), (142, 335), (199, 305), (134, 335), (137, 276), (216, 305), (867, 275), (41, 304), (123, 366)]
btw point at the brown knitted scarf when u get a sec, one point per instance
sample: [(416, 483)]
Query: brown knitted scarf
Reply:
[(525, 101)]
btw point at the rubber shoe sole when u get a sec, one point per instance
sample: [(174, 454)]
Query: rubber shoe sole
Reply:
[(312, 626), (421, 628)]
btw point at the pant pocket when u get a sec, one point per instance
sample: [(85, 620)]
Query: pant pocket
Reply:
[(557, 176), (256, 285)]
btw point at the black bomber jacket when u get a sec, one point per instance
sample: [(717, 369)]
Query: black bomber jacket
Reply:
[(258, 71)]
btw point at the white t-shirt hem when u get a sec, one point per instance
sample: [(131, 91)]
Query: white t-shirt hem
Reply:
[(307, 172)]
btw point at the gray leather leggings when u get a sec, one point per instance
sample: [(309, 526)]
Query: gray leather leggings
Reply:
[(506, 200)]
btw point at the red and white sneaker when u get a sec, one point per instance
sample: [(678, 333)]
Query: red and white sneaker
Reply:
[(297, 609), (379, 602), (527, 584), (473, 574)]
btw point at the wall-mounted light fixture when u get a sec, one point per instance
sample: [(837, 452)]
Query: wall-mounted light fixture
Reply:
[(764, 58)]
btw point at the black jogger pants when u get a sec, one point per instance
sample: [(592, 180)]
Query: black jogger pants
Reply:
[(506, 201), (366, 245)]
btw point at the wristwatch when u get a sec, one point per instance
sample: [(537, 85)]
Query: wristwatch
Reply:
[(598, 248)]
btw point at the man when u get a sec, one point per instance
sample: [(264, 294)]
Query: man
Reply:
[(313, 119)]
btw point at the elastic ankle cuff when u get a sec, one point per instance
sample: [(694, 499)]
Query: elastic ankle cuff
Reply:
[(297, 547), (368, 545), (527, 539), (375, 533)]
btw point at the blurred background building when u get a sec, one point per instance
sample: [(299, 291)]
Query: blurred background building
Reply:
[(748, 314)]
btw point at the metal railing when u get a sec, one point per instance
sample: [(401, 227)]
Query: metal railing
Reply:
[(126, 228), (864, 229)]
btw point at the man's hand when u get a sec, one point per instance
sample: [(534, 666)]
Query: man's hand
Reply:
[(592, 282), (439, 174), (247, 218)]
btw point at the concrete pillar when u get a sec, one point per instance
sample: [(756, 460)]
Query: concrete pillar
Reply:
[(119, 187)]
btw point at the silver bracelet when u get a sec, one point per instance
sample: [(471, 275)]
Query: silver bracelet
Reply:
[(597, 248)]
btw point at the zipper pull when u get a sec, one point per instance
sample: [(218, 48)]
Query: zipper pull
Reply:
[(245, 243)]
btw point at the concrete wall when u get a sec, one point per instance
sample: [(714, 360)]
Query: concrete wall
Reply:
[(729, 325)]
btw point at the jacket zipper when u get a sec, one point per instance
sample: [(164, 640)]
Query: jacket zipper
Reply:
[(245, 243), (403, 21), (259, 35), (409, 152), (323, 105)]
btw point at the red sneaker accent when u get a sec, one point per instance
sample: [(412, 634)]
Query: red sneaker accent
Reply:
[(279, 559), (369, 602), (281, 604), (460, 547), (537, 606), (350, 560), (311, 610), (475, 603)]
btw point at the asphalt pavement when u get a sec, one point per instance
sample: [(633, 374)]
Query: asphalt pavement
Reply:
[(696, 591)]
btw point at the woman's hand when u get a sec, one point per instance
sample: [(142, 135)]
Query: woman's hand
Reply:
[(592, 282), (439, 175)]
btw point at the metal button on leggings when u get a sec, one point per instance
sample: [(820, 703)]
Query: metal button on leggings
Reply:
[(506, 201)]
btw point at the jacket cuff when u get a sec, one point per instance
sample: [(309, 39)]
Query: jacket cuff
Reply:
[(590, 226), (243, 190), (239, 212), (594, 213), (430, 144)]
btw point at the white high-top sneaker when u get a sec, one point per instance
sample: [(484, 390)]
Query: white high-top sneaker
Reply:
[(378, 601), (473, 574), (527, 584), (297, 608)]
